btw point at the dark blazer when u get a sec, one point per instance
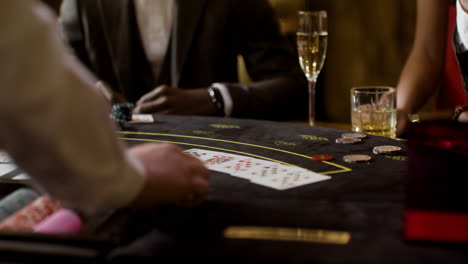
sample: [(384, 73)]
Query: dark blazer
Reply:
[(207, 37)]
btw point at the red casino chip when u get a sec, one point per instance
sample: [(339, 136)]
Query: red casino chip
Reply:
[(322, 157)]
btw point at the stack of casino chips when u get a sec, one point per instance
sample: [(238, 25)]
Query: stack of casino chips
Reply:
[(16, 201), (122, 112), (25, 211), (26, 218)]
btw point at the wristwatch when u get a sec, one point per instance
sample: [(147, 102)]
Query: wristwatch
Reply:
[(217, 100), (458, 111)]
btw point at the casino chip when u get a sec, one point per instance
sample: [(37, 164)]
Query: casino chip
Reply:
[(347, 140), (322, 157), (357, 158), (122, 112), (386, 150), (354, 135)]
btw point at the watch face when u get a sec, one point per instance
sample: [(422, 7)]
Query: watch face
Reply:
[(217, 100)]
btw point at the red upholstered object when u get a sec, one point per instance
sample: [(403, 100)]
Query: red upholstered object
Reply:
[(436, 226), (436, 204)]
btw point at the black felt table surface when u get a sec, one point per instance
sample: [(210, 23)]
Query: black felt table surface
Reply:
[(364, 199)]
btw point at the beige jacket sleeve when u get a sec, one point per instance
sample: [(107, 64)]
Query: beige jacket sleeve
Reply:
[(53, 124)]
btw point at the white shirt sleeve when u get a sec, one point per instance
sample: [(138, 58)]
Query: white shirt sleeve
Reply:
[(462, 26), (54, 125), (227, 99)]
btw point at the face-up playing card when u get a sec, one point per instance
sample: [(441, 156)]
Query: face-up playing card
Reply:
[(218, 159), (269, 170), (212, 158), (242, 166), (291, 179), (201, 154)]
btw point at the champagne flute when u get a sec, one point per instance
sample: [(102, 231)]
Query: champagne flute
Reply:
[(312, 36)]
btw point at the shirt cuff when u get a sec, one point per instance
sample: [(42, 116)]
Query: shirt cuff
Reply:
[(227, 99), (462, 27)]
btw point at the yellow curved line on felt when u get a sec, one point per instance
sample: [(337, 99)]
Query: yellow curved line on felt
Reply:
[(240, 152), (212, 139), (337, 165), (239, 143), (197, 145)]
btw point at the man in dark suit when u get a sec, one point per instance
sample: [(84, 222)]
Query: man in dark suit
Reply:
[(193, 67)]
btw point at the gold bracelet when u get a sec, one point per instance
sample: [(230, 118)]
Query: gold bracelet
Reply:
[(458, 111)]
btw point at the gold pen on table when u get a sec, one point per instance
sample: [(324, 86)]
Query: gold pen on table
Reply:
[(288, 234)]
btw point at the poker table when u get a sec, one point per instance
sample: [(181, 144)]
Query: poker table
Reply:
[(365, 201)]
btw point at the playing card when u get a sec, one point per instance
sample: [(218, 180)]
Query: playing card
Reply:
[(291, 179), (141, 118), (201, 154), (241, 167), (269, 170), (218, 159)]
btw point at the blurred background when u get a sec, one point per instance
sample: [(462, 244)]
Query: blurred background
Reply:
[(368, 44)]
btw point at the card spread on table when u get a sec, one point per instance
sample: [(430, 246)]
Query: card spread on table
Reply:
[(291, 179), (202, 154), (258, 171), (270, 170), (241, 167), (219, 159)]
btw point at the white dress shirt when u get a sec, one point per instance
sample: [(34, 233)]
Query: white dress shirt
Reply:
[(54, 125), (155, 19), (462, 26)]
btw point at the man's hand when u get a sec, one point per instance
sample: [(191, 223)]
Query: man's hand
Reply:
[(172, 176), (170, 100)]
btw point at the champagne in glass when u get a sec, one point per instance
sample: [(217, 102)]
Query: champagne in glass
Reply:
[(312, 37)]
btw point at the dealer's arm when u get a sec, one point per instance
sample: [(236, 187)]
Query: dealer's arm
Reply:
[(57, 129)]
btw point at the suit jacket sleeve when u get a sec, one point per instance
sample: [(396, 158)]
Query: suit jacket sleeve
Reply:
[(279, 88), (54, 125)]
